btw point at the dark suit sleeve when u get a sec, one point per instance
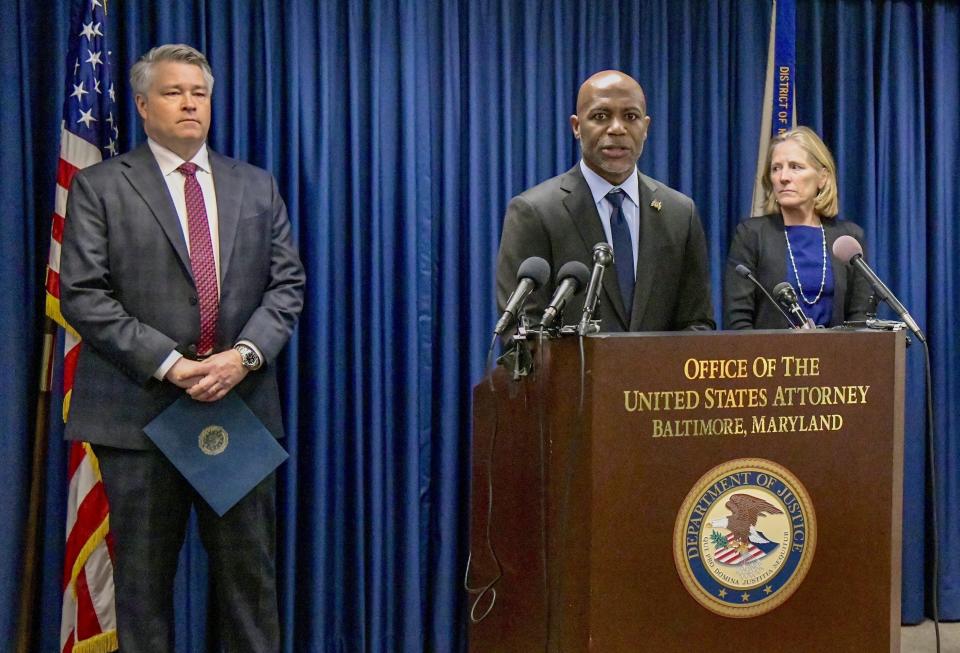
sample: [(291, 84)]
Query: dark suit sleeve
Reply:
[(270, 325), (523, 236), (739, 294), (694, 308), (857, 301), (87, 298)]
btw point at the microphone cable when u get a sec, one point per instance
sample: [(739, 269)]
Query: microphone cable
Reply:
[(931, 461), (488, 588)]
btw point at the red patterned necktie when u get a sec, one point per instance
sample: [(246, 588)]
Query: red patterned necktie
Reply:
[(201, 258)]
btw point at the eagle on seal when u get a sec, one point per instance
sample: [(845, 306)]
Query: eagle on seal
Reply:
[(742, 520)]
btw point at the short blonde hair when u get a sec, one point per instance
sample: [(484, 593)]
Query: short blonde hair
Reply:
[(827, 202)]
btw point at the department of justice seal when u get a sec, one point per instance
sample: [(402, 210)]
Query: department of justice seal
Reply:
[(214, 440), (745, 537)]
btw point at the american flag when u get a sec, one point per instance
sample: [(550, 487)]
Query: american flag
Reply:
[(88, 134)]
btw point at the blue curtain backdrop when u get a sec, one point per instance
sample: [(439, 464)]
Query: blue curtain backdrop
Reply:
[(398, 131)]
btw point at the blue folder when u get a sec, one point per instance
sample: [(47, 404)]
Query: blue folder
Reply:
[(220, 447)]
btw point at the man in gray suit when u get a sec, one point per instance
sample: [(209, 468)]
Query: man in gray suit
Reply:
[(660, 278), (179, 272)]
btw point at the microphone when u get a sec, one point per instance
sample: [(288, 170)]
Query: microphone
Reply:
[(744, 271), (787, 297), (573, 276), (532, 274), (602, 257), (848, 250)]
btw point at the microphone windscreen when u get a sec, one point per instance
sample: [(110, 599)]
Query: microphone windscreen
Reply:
[(576, 270), (743, 270), (846, 247), (536, 269)]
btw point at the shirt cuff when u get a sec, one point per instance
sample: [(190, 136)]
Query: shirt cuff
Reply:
[(167, 363)]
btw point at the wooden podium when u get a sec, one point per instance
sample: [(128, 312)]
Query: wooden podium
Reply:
[(690, 492)]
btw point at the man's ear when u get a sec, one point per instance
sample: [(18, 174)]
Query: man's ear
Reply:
[(141, 103)]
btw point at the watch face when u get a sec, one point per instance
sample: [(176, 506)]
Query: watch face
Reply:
[(248, 357)]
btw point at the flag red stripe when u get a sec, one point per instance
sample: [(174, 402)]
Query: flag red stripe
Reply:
[(53, 283), (90, 515), (56, 228), (68, 645), (65, 173), (70, 367), (87, 623)]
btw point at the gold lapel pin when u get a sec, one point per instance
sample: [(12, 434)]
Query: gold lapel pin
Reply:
[(656, 205)]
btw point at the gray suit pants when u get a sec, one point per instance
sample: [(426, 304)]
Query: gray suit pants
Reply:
[(149, 507)]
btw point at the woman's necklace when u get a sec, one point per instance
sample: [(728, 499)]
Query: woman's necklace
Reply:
[(823, 272)]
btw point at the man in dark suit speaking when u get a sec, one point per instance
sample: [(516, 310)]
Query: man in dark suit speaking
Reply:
[(660, 278), (179, 272)]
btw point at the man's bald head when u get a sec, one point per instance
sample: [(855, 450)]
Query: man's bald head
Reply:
[(605, 81), (611, 124)]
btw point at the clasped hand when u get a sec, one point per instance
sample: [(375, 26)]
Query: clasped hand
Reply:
[(210, 379)]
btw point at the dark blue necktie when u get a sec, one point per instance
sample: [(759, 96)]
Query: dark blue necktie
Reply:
[(622, 249)]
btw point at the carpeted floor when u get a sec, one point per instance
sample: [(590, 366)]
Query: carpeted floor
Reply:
[(921, 638)]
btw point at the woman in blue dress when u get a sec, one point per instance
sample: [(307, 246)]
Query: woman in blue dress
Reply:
[(794, 242)]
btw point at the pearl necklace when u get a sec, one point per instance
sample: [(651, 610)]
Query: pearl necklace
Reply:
[(823, 272)]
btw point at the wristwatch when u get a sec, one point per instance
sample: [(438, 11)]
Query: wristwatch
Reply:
[(248, 356)]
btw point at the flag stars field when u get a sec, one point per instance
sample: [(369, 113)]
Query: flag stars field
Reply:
[(90, 30)]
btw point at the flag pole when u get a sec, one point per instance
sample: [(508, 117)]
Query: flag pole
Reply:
[(29, 586)]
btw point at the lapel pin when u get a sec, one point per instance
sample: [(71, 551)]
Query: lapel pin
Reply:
[(656, 205)]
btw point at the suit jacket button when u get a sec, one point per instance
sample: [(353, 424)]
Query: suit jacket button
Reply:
[(193, 300), (192, 349)]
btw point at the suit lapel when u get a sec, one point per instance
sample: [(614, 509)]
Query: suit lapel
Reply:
[(650, 240), (229, 190), (144, 175), (583, 213)]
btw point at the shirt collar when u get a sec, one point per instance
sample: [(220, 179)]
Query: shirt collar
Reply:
[(599, 187), (169, 162)]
